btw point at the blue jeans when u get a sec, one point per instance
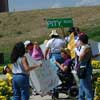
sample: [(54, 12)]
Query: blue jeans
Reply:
[(85, 89), (55, 56), (21, 87)]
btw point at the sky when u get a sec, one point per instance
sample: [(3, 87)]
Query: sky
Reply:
[(23, 5)]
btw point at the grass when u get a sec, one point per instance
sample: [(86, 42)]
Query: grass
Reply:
[(32, 25)]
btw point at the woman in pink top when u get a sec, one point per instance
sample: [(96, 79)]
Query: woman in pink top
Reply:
[(37, 52)]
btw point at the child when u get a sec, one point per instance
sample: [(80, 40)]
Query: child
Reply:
[(37, 52), (7, 70)]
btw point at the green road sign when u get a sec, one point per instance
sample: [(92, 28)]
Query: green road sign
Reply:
[(59, 22)]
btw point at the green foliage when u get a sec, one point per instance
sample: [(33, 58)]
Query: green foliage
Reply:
[(19, 32), (5, 90), (32, 25), (1, 35)]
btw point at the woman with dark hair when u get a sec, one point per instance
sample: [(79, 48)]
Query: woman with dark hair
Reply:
[(73, 30), (20, 72), (85, 55), (77, 33)]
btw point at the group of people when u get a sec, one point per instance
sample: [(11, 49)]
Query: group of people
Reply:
[(83, 58), (56, 50), (20, 69)]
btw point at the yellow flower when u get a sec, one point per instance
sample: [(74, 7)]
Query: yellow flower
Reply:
[(97, 98), (3, 98)]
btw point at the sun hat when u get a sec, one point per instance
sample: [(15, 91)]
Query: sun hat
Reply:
[(54, 32), (27, 42)]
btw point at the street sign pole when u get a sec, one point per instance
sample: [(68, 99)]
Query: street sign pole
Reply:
[(63, 32)]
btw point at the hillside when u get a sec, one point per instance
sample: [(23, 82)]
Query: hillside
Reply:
[(19, 26)]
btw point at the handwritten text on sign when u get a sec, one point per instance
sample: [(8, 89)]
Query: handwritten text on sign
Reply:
[(43, 78)]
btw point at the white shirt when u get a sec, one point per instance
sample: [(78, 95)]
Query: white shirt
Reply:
[(82, 49), (55, 45), (67, 38), (18, 67)]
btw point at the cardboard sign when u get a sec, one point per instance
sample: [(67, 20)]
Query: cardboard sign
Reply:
[(43, 78), (95, 48), (71, 45)]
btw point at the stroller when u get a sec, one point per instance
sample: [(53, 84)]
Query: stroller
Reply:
[(68, 86)]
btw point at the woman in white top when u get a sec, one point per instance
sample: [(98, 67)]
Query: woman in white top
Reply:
[(20, 72), (85, 55)]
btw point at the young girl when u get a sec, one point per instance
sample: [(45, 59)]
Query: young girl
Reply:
[(20, 70), (7, 70), (37, 52)]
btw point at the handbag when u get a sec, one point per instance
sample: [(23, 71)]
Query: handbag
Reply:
[(81, 72)]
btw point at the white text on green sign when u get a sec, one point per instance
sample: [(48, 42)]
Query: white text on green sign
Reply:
[(60, 23)]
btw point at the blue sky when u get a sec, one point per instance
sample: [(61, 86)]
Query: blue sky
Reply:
[(20, 5)]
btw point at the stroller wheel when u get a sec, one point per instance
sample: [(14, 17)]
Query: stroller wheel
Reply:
[(55, 96), (73, 92)]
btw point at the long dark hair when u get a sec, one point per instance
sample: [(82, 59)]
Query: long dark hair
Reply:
[(17, 51), (55, 36), (84, 38), (75, 30)]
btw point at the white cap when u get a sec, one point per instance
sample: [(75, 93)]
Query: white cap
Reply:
[(53, 33), (27, 42), (5, 67)]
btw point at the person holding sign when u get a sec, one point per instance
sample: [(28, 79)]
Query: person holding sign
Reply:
[(65, 66), (37, 52), (34, 50), (72, 40), (64, 70), (20, 70), (75, 32)]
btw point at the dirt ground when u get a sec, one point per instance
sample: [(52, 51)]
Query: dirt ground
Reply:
[(61, 97)]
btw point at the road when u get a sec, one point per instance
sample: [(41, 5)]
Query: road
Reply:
[(38, 97)]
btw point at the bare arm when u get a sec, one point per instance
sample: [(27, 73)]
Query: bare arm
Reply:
[(46, 52), (26, 66), (85, 52), (96, 55), (61, 66)]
